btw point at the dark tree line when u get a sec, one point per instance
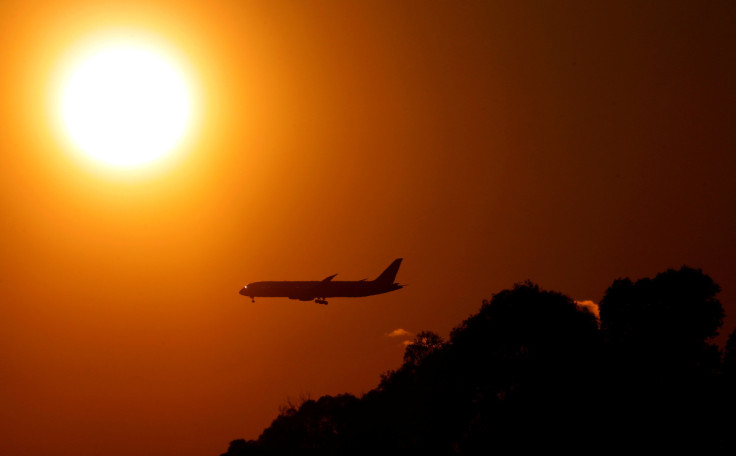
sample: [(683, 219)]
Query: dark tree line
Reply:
[(534, 371)]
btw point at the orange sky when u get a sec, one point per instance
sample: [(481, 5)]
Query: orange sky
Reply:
[(485, 142)]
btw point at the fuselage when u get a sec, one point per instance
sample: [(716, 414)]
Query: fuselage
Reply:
[(308, 290)]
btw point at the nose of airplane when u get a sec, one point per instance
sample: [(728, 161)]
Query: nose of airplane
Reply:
[(242, 291)]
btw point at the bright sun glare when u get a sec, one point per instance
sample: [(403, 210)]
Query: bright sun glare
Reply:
[(125, 102)]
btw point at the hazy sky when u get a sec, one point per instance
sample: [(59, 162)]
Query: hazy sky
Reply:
[(486, 143)]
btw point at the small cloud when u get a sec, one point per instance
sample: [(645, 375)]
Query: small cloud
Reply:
[(399, 333), (591, 306), (406, 342)]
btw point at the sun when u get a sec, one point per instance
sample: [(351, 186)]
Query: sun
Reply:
[(125, 102)]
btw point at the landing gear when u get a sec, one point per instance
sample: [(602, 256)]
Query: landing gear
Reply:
[(252, 299), (321, 301)]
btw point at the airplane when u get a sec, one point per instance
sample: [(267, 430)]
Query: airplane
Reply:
[(319, 291)]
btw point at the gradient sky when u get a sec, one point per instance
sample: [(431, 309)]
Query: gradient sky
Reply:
[(486, 143)]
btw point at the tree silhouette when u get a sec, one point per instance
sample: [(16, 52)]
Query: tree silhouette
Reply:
[(531, 371), (675, 309), (658, 358), (728, 390), (729, 357), (523, 358), (423, 345)]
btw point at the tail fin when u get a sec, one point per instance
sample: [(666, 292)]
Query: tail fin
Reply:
[(389, 274)]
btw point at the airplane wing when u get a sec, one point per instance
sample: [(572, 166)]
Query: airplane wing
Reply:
[(329, 278)]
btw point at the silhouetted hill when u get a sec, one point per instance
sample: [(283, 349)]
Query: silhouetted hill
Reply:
[(534, 371)]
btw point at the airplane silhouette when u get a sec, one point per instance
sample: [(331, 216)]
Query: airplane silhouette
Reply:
[(327, 288)]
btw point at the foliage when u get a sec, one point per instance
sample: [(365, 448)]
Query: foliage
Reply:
[(426, 343), (531, 371)]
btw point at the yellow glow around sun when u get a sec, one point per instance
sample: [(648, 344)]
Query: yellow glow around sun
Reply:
[(125, 102)]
